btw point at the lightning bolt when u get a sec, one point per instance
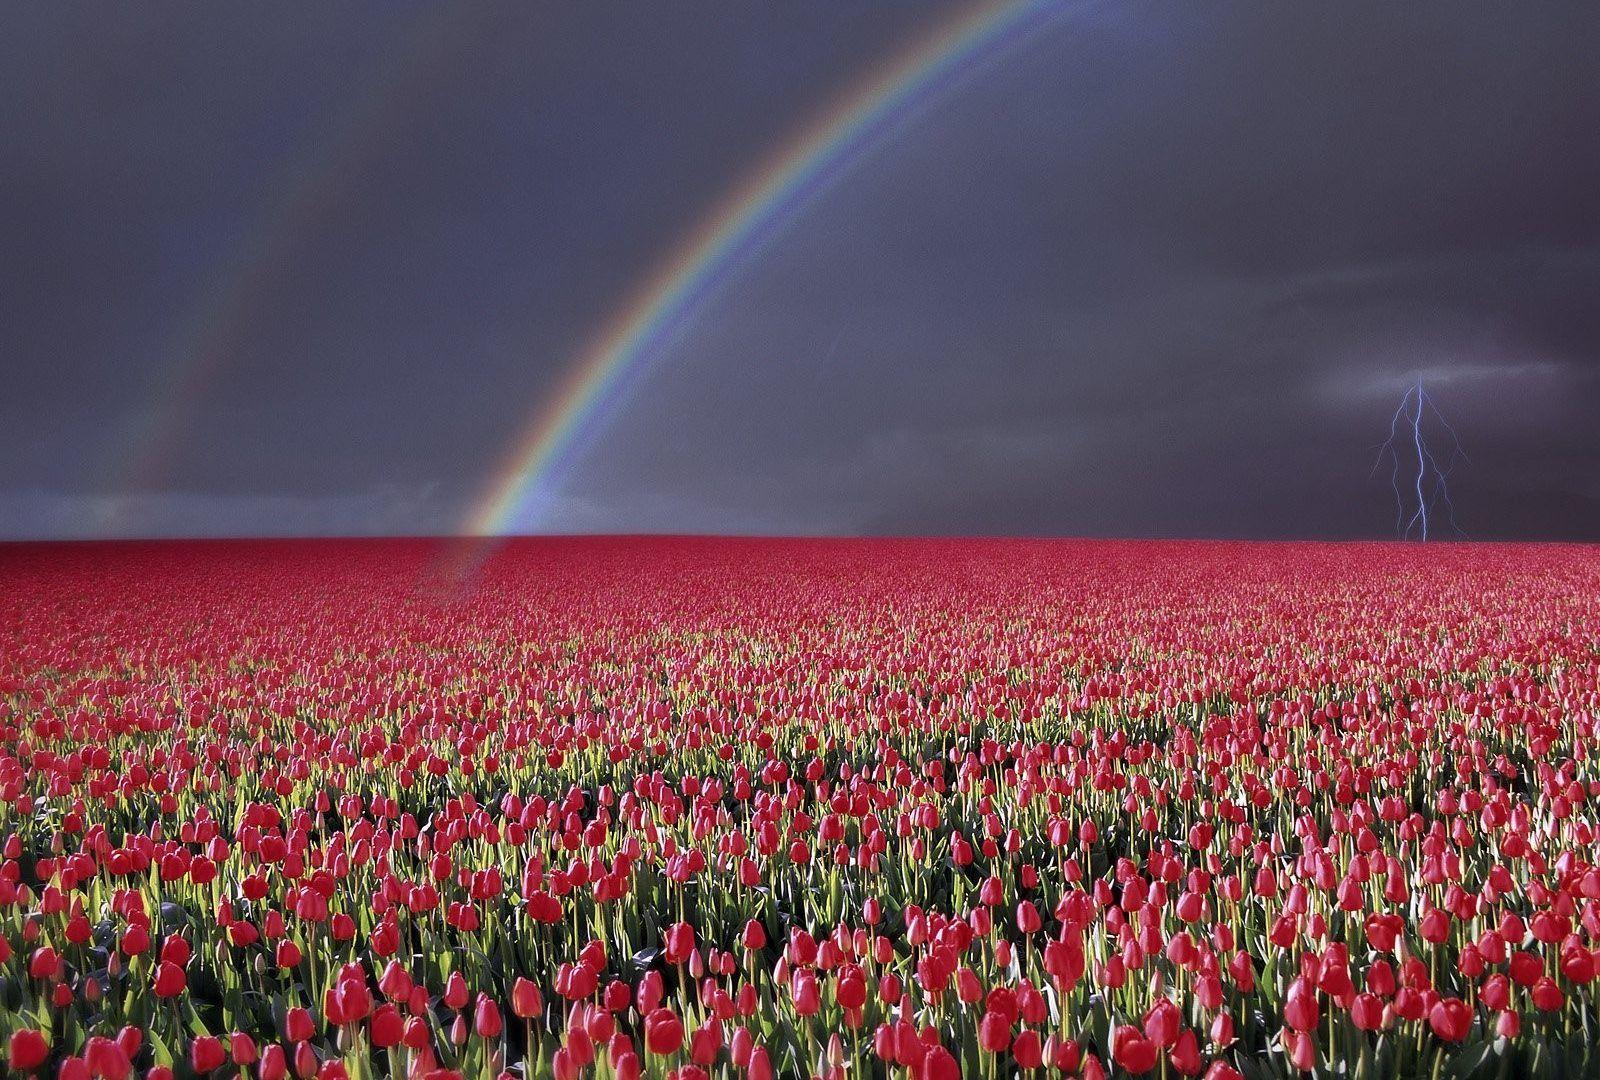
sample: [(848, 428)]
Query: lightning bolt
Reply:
[(1429, 489)]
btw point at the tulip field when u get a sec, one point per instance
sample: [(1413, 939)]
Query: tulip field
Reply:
[(698, 808)]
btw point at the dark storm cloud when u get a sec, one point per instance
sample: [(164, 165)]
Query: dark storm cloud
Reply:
[(1165, 269)]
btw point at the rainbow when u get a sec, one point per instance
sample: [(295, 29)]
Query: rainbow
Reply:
[(317, 178), (750, 214)]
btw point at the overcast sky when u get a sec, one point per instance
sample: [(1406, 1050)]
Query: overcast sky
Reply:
[(1160, 269)]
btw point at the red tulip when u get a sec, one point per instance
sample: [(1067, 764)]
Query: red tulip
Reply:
[(1027, 1049), (1222, 1030), (206, 1053), (851, 989), (1302, 1049), (704, 1043), (1367, 1012), (486, 1019), (1185, 1054), (526, 1001), (1526, 968), (43, 963), (170, 980), (937, 1064), (754, 936), (1547, 996), (395, 982), (287, 955), (1300, 1009), (298, 1025), (804, 994), (386, 1026), (274, 1064), (241, 1048), (28, 1049), (135, 940), (663, 1032), (680, 943), (1132, 1051), (1450, 1019), (1162, 1022), (994, 1032), (456, 994)]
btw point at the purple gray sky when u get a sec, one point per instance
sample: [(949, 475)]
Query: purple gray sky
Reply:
[(1162, 269)]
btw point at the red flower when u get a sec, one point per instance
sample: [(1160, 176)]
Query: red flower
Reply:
[(575, 981), (241, 1048), (1435, 926), (386, 1026), (937, 1064), (1185, 1055), (1577, 964), (176, 950), (1367, 1012), (994, 1032), (1526, 969), (1302, 1049), (754, 935), (851, 989), (274, 1064), (680, 943), (1450, 1019), (705, 1042), (395, 982), (1162, 1022), (135, 940), (1547, 996), (298, 1025), (206, 1053), (486, 1018), (1132, 1051), (354, 1001), (803, 991), (663, 1032), (1300, 1009), (44, 963), (1027, 1049), (105, 1057), (1549, 927), (526, 1001), (1222, 1030), (28, 1049), (170, 980)]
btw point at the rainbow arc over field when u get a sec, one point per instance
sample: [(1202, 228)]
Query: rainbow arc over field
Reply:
[(739, 224)]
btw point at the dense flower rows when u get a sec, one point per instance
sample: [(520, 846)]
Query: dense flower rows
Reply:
[(700, 808)]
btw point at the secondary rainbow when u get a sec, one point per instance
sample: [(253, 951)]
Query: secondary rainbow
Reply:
[(740, 223), (224, 316)]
